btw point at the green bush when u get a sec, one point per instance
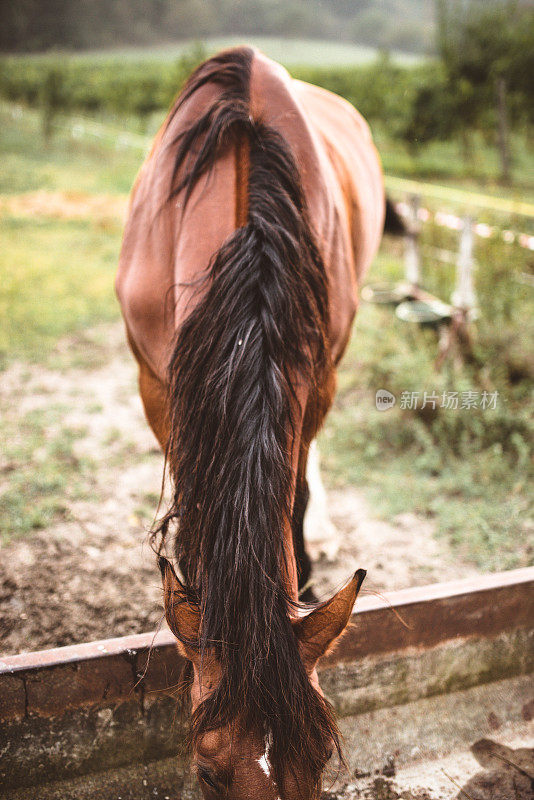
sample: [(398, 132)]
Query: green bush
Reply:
[(118, 87), (382, 91), (413, 103)]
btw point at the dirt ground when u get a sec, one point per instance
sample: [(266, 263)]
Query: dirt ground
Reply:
[(65, 205), (91, 574), (500, 768), (486, 755)]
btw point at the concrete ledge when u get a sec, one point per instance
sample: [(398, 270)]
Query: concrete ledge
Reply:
[(104, 705), (157, 780), (393, 679), (431, 728), (50, 682), (434, 614)]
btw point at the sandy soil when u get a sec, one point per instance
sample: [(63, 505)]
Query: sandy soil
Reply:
[(459, 775), (479, 745), (65, 205), (92, 574)]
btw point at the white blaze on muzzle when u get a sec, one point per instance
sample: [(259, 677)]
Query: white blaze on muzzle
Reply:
[(264, 763)]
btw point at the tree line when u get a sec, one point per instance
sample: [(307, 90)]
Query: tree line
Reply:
[(480, 82), (38, 25), (486, 52)]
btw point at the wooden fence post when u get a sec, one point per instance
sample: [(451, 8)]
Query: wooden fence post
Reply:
[(504, 131), (464, 297), (412, 262)]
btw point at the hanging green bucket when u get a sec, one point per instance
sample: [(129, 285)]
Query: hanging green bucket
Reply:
[(429, 313), (384, 293)]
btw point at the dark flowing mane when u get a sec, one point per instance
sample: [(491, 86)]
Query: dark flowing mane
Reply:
[(260, 326)]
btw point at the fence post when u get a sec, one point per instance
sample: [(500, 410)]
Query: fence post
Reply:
[(412, 263), (464, 297)]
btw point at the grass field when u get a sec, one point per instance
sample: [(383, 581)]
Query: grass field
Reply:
[(290, 52), (57, 279), (443, 162), (467, 471), (66, 164), (100, 154)]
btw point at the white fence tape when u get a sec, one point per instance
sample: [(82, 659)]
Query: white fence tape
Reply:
[(481, 229)]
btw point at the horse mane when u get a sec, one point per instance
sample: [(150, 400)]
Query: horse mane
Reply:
[(261, 324)]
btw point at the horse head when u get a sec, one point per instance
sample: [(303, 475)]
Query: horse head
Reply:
[(235, 761)]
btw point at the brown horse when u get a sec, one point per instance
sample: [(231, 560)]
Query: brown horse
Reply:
[(251, 224)]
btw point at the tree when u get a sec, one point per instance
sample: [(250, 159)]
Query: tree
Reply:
[(486, 50)]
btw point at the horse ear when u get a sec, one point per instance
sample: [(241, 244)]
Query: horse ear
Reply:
[(183, 617), (490, 754), (321, 628)]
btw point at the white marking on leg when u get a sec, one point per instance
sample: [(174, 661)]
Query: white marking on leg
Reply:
[(319, 531)]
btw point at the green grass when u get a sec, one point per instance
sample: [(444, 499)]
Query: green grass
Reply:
[(478, 500), (467, 470), (445, 162), (289, 52), (86, 163), (41, 471), (66, 164), (57, 278)]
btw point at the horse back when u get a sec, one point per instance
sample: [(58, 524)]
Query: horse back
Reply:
[(168, 246), (341, 176)]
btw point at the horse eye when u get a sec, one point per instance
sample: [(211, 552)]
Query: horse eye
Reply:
[(208, 778)]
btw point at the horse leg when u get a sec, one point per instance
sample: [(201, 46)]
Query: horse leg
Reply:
[(321, 534), (303, 560), (153, 395)]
